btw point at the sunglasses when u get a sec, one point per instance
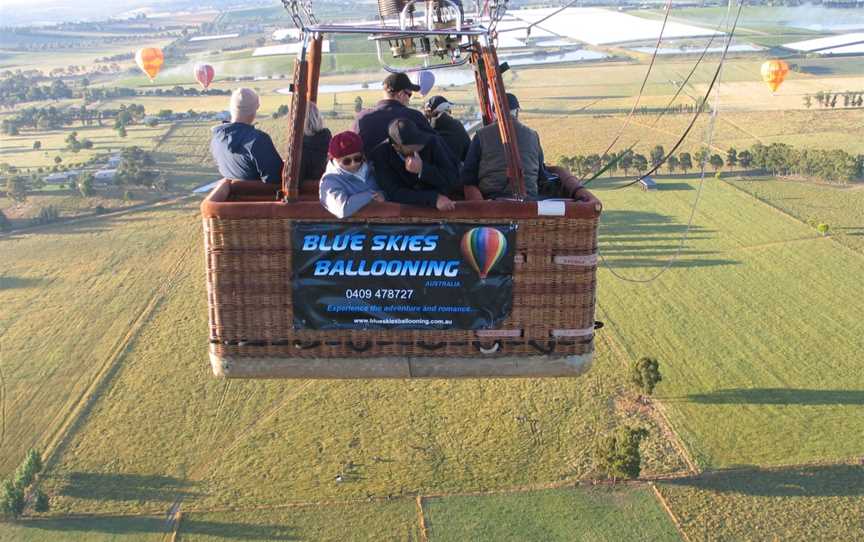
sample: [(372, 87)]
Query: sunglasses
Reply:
[(348, 160)]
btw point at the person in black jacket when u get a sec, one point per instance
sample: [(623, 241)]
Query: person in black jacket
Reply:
[(316, 139), (415, 167), (372, 123), (437, 110)]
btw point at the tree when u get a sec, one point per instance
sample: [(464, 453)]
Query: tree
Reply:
[(37, 145), (121, 130), (617, 455), (85, 185), (151, 122), (808, 102), (685, 162), (358, 104), (626, 161), (701, 157), (732, 157), (672, 164), (72, 142), (41, 502), (11, 500), (16, 188), (640, 163), (645, 374), (822, 228), (716, 162), (57, 159), (745, 159)]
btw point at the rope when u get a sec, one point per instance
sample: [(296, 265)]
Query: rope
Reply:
[(708, 141)]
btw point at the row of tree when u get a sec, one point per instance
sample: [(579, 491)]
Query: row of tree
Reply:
[(776, 158), (829, 99), (18, 492), (52, 118), (22, 88)]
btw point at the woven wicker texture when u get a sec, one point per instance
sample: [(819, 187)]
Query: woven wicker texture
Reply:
[(249, 269)]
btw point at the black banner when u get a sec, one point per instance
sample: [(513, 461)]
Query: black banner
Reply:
[(404, 276)]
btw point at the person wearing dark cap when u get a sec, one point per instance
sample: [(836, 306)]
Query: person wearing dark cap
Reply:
[(241, 151), (415, 167), (372, 123), (437, 110), (348, 183), (486, 167)]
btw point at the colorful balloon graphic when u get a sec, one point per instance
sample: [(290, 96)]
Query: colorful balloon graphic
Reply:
[(483, 248), (774, 72), (204, 74), (426, 80), (150, 61)]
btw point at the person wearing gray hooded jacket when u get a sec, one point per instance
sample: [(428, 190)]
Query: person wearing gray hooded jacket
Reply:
[(349, 182)]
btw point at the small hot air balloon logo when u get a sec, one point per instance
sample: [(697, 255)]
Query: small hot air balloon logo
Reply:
[(774, 72), (483, 248), (204, 74), (150, 61)]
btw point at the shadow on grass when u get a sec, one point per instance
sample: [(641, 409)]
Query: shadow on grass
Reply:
[(126, 487), (54, 528), (8, 283), (633, 239), (812, 481), (778, 396)]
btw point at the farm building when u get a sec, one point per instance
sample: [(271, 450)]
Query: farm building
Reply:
[(647, 184)]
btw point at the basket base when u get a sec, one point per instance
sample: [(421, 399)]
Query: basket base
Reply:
[(417, 367)]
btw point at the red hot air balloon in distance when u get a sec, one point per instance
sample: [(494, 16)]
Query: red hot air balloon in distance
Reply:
[(204, 74), (483, 248)]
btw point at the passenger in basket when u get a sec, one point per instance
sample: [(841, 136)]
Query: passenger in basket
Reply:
[(415, 167), (241, 152), (372, 123), (486, 167), (349, 183), (437, 110), (316, 141)]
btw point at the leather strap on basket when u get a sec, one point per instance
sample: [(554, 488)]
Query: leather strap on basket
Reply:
[(505, 123), (296, 123)]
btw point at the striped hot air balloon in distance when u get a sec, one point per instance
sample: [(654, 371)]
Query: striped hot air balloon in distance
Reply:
[(483, 248), (774, 72), (204, 74), (150, 60)]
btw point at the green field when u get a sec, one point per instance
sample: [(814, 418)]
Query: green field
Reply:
[(571, 514)]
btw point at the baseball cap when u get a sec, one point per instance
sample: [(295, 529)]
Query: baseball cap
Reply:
[(345, 144), (244, 101), (399, 81), (405, 132), (438, 104)]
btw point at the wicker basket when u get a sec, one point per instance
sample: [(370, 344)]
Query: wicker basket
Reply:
[(248, 244)]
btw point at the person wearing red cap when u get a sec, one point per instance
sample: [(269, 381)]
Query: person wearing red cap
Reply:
[(349, 182)]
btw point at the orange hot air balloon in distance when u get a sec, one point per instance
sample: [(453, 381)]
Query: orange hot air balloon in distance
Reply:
[(204, 74), (150, 60), (774, 72)]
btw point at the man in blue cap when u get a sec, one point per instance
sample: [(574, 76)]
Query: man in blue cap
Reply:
[(486, 167), (415, 167), (372, 123)]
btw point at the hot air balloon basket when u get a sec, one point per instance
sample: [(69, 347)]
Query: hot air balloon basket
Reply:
[(258, 321)]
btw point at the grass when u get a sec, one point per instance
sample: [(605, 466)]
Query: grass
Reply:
[(758, 357), (841, 207), (117, 529), (804, 503), (564, 514)]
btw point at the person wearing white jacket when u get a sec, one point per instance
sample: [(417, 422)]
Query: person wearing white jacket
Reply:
[(349, 182)]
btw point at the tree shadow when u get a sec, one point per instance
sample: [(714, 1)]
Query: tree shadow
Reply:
[(647, 239), (778, 396), (810, 481), (664, 186), (136, 525), (126, 487), (9, 283), (856, 231)]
